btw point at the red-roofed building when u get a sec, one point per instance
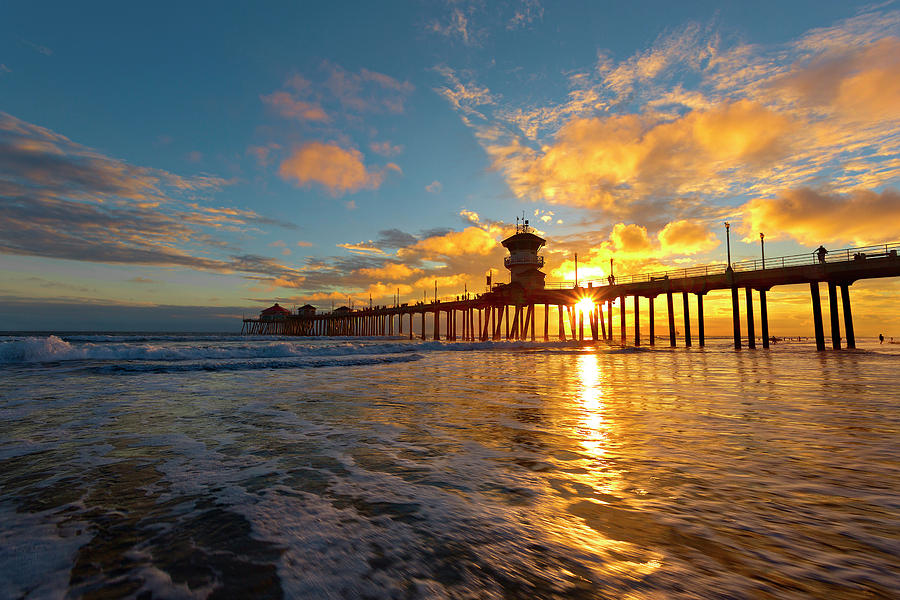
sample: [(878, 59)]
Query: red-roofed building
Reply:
[(274, 313)]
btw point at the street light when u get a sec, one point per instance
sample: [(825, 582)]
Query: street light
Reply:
[(762, 245), (728, 241)]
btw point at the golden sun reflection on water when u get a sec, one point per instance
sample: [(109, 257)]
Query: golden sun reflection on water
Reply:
[(595, 432)]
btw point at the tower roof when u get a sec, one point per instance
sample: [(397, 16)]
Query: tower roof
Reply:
[(524, 238)]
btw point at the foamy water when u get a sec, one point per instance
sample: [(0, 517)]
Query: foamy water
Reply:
[(190, 466)]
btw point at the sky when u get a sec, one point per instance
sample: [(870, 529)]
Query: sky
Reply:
[(176, 166)]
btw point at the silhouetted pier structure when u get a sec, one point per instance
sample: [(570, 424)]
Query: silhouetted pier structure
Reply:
[(508, 310)]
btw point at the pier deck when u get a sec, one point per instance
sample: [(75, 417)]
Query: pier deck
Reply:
[(487, 316)]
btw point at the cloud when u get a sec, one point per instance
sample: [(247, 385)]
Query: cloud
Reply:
[(304, 244), (287, 106), (338, 170), (471, 240), (630, 239), (862, 83), (38, 48), (62, 200), (385, 148), (470, 215), (362, 248), (456, 26), (686, 237), (391, 271), (366, 91), (434, 187), (691, 121), (4, 69), (610, 162), (525, 14), (814, 217)]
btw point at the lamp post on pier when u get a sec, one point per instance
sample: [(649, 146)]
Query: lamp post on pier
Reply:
[(728, 241), (762, 246)]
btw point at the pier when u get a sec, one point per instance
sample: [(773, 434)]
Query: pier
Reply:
[(508, 311)]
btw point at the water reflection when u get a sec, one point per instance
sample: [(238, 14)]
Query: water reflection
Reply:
[(594, 428)]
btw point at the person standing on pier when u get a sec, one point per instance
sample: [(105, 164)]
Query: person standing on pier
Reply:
[(821, 252)]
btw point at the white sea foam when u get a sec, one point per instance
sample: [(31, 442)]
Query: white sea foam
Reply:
[(56, 349)]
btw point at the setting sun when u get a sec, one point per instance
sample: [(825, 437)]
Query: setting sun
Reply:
[(585, 306)]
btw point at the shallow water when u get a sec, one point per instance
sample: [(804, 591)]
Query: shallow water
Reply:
[(213, 466)]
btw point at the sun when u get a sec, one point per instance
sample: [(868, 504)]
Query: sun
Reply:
[(585, 305)]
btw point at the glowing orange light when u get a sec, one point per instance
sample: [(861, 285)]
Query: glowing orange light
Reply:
[(585, 305)]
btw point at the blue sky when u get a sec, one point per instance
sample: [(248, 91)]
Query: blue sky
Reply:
[(209, 159)]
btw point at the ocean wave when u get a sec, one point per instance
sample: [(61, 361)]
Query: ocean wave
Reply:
[(249, 365), (15, 350)]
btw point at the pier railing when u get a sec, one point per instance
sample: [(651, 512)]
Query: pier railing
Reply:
[(794, 260)]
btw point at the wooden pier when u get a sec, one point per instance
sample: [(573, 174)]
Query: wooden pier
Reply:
[(508, 311)]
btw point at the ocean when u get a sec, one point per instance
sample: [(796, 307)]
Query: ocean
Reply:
[(216, 466)]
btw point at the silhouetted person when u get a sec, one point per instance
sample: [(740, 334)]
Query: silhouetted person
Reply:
[(880, 338), (821, 252)]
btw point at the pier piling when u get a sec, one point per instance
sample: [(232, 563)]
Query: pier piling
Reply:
[(833, 316), (848, 316), (817, 315)]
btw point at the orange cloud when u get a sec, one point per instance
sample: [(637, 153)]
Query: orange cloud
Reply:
[(686, 237), (471, 240), (390, 271), (630, 239), (812, 217), (338, 170), (862, 82), (289, 107), (611, 161), (384, 290)]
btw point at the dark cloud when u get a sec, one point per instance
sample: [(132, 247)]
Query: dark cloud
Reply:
[(393, 239), (62, 200)]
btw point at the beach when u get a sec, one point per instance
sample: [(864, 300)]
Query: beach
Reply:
[(193, 466)]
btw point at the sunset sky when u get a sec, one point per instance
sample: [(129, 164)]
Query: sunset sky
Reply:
[(177, 165)]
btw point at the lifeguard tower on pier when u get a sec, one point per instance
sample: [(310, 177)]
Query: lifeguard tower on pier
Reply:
[(523, 261)]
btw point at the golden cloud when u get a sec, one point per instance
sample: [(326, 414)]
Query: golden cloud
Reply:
[(338, 170), (686, 237), (471, 240), (813, 217), (611, 161), (630, 239), (862, 82), (390, 271)]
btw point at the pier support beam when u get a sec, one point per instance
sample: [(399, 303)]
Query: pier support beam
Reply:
[(580, 316), (600, 320), (735, 317), (652, 323), (561, 331), (687, 318), (609, 315), (848, 316), (751, 331), (833, 314), (701, 331), (637, 320), (764, 318), (546, 322), (622, 319), (531, 310), (671, 307), (817, 315)]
